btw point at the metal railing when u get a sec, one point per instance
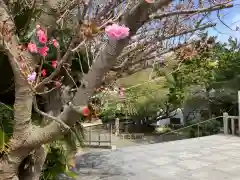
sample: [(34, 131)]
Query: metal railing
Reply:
[(98, 136), (229, 124), (184, 130)]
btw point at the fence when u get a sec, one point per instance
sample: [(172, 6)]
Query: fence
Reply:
[(101, 135), (231, 124), (98, 136), (194, 130)]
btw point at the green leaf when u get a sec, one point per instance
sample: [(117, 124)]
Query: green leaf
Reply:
[(3, 139), (71, 174), (170, 80), (29, 35)]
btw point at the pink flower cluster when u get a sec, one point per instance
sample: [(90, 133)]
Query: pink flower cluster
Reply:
[(117, 32), (32, 47), (42, 38)]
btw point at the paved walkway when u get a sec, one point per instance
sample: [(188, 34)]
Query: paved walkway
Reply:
[(207, 158)]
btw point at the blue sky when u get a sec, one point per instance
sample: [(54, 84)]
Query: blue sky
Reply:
[(231, 17)]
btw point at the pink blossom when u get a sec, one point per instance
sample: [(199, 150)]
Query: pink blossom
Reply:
[(57, 84), (40, 32), (43, 51), (41, 36), (42, 39), (32, 77), (55, 43), (54, 64), (116, 32), (32, 47), (121, 91), (149, 1), (44, 72)]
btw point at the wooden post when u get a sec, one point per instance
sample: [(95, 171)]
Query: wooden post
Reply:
[(110, 138), (239, 113), (198, 129), (116, 126), (99, 138), (225, 123), (233, 125), (126, 126), (90, 136)]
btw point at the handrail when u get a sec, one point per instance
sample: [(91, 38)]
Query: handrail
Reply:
[(232, 117), (201, 122)]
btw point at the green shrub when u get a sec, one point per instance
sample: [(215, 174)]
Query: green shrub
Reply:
[(204, 129)]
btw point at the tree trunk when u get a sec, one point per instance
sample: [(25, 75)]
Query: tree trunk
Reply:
[(33, 171), (15, 167), (10, 163), (8, 170)]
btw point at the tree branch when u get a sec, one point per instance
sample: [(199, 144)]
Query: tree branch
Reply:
[(192, 11), (104, 61), (64, 59), (48, 116), (152, 49)]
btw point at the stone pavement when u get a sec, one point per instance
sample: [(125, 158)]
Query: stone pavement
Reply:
[(214, 157)]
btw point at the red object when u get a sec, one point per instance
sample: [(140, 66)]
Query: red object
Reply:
[(44, 72), (43, 51), (85, 111), (41, 36), (55, 43), (57, 84), (54, 64)]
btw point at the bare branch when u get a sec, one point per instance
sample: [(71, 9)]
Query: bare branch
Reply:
[(64, 59), (48, 115), (148, 50), (192, 11), (106, 59)]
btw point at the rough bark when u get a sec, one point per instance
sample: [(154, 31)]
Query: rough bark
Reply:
[(12, 165), (52, 104), (48, 16), (11, 160), (23, 91), (33, 171)]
